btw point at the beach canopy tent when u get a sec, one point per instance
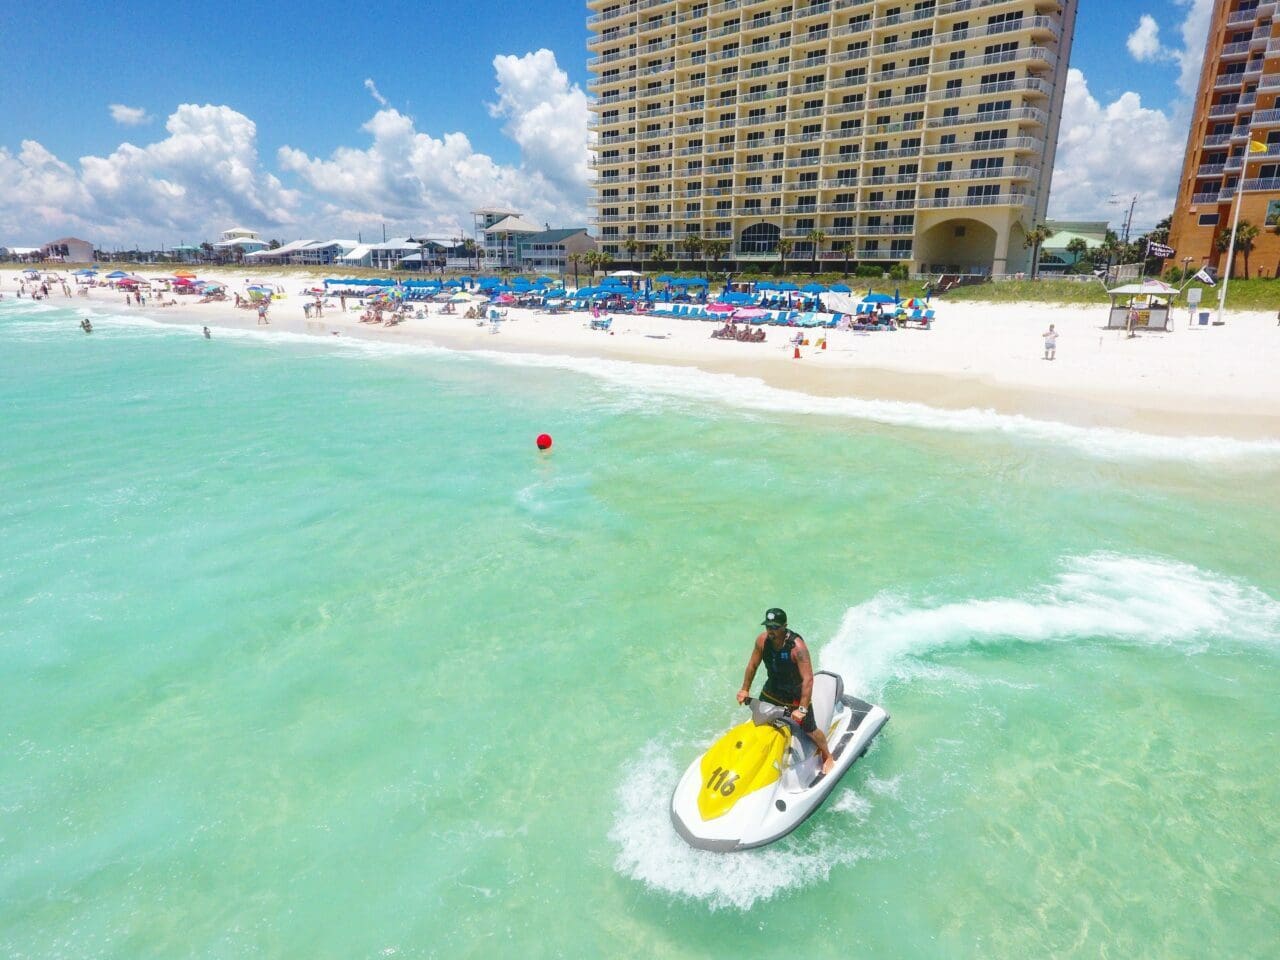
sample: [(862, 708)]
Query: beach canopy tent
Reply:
[(626, 273), (1146, 304)]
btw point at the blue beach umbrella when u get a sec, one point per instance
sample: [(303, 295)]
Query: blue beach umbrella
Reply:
[(878, 298), (813, 288), (840, 288)]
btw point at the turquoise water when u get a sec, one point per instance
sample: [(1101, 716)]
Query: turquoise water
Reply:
[(305, 651)]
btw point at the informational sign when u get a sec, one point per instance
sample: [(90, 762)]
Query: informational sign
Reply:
[(1193, 296)]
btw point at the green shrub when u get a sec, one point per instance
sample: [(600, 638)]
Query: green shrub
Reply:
[(900, 271), (868, 270)]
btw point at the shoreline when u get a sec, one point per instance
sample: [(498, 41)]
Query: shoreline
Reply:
[(1202, 383)]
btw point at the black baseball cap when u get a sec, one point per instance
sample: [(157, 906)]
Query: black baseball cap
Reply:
[(775, 617)]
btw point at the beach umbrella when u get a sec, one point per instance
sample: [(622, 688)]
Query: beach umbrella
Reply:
[(878, 298), (184, 273), (85, 273), (813, 288), (725, 308), (840, 288), (115, 275), (506, 298)]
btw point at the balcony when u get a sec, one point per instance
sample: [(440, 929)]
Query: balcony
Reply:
[(1266, 118), (996, 200), (1269, 184), (1024, 144), (1020, 172), (1200, 198), (1028, 114)]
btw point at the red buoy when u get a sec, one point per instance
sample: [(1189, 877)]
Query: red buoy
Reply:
[(544, 441)]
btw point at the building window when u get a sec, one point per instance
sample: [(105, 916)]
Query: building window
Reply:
[(1208, 220)]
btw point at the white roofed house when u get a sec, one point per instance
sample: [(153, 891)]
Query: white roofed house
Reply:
[(237, 242), (504, 241), (305, 252)]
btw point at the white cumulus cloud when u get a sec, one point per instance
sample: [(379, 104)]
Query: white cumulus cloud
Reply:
[(1144, 42), (414, 180), (129, 116), (197, 180), (1117, 149)]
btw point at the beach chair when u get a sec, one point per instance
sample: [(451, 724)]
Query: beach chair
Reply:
[(603, 323)]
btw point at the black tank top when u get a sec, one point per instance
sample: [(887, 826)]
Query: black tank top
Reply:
[(784, 681)]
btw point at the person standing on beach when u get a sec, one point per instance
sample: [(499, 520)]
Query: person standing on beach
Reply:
[(207, 334), (342, 299), (790, 681), (1050, 343)]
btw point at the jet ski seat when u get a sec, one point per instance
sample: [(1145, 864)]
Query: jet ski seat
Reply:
[(828, 688)]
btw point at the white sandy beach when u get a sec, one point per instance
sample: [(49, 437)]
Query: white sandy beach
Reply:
[(1195, 381)]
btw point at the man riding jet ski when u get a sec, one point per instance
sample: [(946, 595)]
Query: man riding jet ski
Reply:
[(761, 780)]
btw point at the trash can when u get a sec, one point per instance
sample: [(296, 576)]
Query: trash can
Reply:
[(1204, 318)]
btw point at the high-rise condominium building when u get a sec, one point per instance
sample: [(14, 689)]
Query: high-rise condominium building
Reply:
[(879, 131), (1237, 104)]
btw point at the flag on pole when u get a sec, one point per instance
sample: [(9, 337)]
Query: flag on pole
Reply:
[(1204, 277), (1256, 147), (1159, 250)]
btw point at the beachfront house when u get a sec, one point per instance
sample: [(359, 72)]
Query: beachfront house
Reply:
[(237, 242), (505, 240), (305, 252), (549, 250), (1054, 256), (68, 250)]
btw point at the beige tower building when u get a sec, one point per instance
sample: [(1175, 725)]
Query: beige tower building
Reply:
[(878, 132)]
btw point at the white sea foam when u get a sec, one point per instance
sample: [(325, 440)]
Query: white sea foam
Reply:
[(1124, 599), (1127, 599), (650, 850), (721, 390)]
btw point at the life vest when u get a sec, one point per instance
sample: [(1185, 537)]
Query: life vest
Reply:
[(784, 684)]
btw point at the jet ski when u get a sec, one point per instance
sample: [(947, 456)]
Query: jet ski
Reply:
[(764, 777)]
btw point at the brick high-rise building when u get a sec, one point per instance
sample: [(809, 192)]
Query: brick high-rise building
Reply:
[(1236, 103), (883, 131)]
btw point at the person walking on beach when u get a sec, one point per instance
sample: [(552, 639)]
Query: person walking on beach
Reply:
[(790, 681), (262, 313), (1050, 343)]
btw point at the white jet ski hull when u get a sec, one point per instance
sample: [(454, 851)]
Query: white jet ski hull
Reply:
[(767, 815)]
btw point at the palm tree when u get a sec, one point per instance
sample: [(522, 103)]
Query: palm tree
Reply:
[(658, 255), (1246, 233), (715, 249), (784, 248), (1034, 240), (592, 261), (575, 259), (1078, 248), (631, 245), (844, 247), (470, 249), (603, 259), (692, 244), (817, 238)]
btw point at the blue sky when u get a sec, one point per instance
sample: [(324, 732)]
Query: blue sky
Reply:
[(321, 119)]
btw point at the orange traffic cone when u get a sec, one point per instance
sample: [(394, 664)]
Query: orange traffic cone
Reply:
[(797, 354)]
